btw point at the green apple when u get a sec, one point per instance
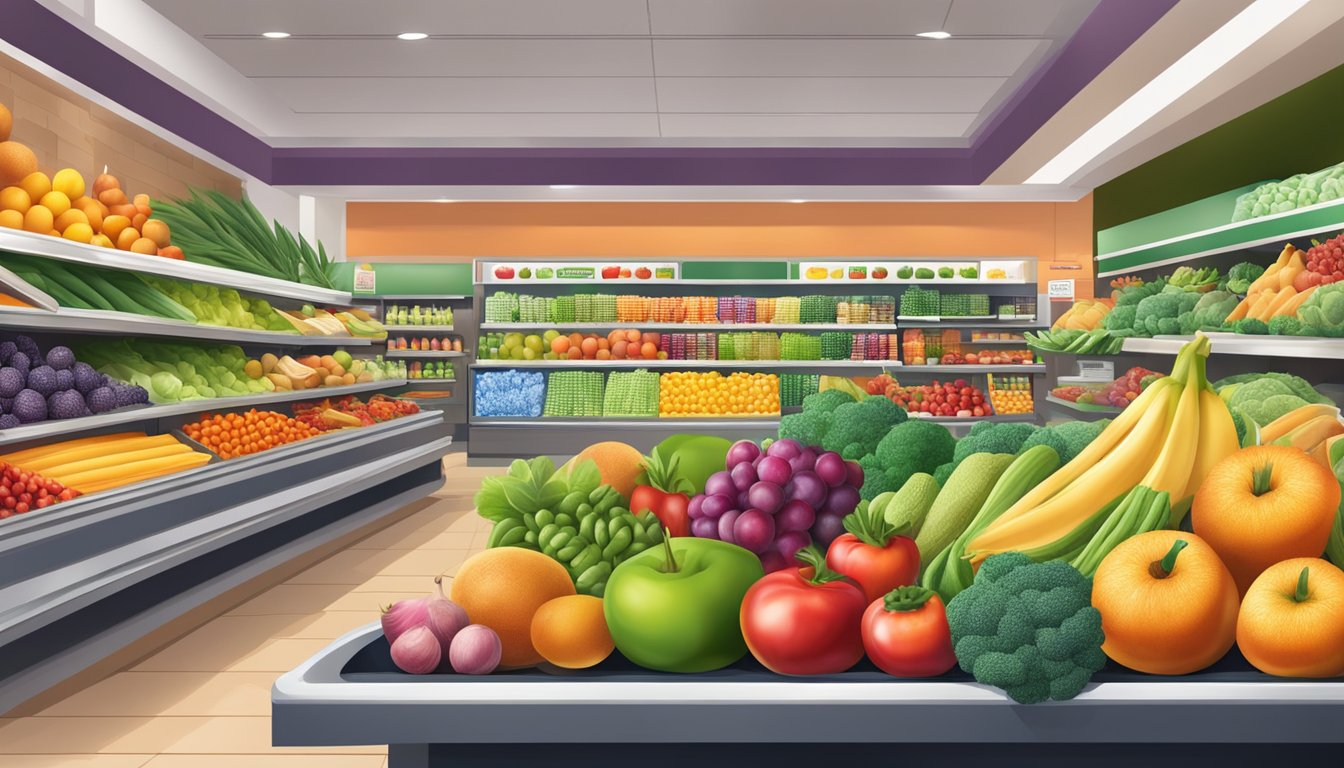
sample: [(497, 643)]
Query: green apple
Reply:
[(676, 608), (343, 357)]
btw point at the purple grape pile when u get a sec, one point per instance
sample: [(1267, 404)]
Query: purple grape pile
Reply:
[(777, 501)]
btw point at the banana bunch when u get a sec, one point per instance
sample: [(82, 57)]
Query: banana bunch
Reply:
[(588, 533), (1138, 475)]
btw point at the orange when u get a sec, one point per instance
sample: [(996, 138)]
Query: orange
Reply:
[(17, 161), (71, 216), (1263, 505), (618, 463), (15, 199), (56, 202), (11, 219), (38, 219), (127, 238), (502, 588), (1165, 622), (1291, 625), (6, 122), (588, 347), (113, 225), (571, 632), (69, 182), (80, 233)]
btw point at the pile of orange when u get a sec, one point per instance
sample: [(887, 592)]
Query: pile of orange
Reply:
[(620, 344), (1011, 394), (688, 393), (229, 435)]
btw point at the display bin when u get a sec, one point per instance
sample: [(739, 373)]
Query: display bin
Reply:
[(616, 713)]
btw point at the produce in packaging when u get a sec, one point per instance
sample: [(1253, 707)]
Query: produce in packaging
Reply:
[(503, 589), (804, 621), (905, 633), (675, 608), (571, 632), (1168, 604), (873, 554), (689, 393), (1028, 628), (1263, 505), (1291, 622)]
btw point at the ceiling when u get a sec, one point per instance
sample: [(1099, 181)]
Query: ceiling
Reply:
[(646, 72)]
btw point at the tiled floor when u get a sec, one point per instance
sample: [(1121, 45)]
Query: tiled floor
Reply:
[(204, 701)]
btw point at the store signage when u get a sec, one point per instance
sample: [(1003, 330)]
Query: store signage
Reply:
[(575, 272), (364, 279), (897, 271), (1060, 290)]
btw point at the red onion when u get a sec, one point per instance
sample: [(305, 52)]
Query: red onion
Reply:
[(475, 651), (444, 617), (416, 651), (403, 616)]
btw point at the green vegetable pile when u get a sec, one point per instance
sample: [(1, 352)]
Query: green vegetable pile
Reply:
[(986, 437), (1322, 314), (1240, 277), (87, 287), (912, 446), (213, 228), (1264, 397), (1028, 628), (172, 372), (631, 393), (837, 422), (213, 305), (573, 393), (575, 520)]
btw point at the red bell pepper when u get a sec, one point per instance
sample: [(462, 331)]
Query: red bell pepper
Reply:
[(666, 494)]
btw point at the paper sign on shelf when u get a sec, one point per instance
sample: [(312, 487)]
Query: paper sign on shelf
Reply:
[(1060, 290), (365, 281), (576, 272)]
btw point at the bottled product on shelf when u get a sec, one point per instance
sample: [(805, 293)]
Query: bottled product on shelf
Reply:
[(425, 343)]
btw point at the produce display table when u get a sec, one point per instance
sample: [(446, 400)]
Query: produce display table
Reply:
[(350, 693)]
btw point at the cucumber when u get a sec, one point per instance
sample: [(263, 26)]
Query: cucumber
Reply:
[(119, 300)]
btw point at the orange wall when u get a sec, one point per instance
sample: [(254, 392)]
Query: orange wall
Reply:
[(1057, 234)]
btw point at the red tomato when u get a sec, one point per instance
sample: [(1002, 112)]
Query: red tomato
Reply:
[(905, 633), (877, 569), (804, 621)]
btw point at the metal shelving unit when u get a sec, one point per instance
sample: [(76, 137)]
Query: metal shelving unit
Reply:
[(401, 329), (49, 247), (99, 322), (693, 327), (689, 364), (421, 353), (63, 427)]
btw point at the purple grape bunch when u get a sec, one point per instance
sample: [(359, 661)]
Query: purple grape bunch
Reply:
[(777, 501)]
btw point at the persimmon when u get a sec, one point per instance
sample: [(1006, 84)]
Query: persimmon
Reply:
[(1292, 620)]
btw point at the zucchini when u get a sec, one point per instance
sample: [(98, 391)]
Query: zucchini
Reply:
[(959, 501), (950, 572)]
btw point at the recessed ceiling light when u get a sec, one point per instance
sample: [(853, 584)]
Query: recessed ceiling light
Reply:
[(564, 186), (938, 35), (275, 35), (412, 36), (797, 201), (444, 200)]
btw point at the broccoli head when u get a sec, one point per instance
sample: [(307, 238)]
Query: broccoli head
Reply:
[(943, 472), (1068, 438), (1251, 326), (1212, 309), (993, 437), (812, 423), (1119, 319), (1166, 305), (857, 427), (1285, 325), (1240, 277), (1028, 628), (915, 445)]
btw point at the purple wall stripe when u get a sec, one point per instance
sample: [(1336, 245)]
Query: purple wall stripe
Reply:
[(1107, 32)]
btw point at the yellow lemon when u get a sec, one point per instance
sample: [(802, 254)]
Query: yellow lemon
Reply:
[(68, 182)]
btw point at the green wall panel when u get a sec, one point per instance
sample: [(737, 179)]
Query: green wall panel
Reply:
[(734, 270), (1298, 132)]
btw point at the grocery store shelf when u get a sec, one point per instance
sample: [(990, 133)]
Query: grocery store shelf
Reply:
[(619, 422), (692, 327), (1021, 368), (1311, 348), (46, 246), (940, 318), (1077, 408), (131, 415), (413, 297), (407, 328), (413, 382), (122, 563), (1011, 323), (691, 364), (100, 322), (421, 353), (995, 342), (1264, 230), (801, 283), (973, 420)]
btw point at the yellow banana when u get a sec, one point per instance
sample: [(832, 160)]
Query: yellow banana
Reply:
[(1294, 419), (1171, 471), (1217, 440), (1116, 474)]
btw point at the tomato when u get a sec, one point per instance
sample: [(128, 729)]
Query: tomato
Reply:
[(671, 509), (874, 554), (804, 621), (905, 633)]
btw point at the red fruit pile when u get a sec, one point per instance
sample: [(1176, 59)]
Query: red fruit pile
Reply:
[(1123, 390), (22, 491), (1325, 264), (953, 398)]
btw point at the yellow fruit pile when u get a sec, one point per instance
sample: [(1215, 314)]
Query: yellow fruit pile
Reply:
[(62, 206), (687, 393)]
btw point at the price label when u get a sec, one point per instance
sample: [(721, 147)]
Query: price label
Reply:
[(364, 280), (1060, 290)]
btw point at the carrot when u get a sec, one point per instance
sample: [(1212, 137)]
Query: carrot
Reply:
[(1297, 301), (102, 479), (18, 457), (67, 469), (1282, 297)]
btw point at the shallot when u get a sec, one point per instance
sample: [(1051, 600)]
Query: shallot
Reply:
[(416, 651), (475, 651)]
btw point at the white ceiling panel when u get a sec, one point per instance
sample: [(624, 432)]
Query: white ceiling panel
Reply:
[(831, 57), (858, 95), (436, 17), (1044, 18), (796, 17), (443, 58), (341, 95), (487, 126), (840, 125)]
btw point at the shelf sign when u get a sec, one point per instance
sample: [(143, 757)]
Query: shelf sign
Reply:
[(364, 279), (575, 272), (1060, 290)]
